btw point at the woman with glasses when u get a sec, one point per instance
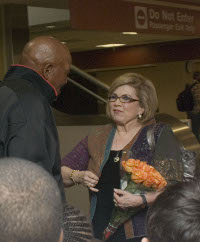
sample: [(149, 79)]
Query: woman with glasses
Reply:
[(96, 161)]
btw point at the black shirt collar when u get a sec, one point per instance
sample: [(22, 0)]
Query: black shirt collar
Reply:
[(39, 82)]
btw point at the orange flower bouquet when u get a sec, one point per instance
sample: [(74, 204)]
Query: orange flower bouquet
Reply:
[(140, 178)]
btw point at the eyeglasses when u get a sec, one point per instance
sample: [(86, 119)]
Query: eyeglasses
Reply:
[(123, 98)]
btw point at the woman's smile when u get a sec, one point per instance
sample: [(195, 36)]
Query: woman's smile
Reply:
[(117, 111)]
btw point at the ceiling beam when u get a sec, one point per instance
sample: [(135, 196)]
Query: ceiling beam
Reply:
[(138, 55)]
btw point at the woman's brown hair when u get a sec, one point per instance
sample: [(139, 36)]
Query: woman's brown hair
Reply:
[(145, 92)]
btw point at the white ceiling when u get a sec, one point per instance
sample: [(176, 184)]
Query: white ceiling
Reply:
[(88, 40)]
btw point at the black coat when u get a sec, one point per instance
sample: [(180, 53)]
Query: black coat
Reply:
[(28, 128)]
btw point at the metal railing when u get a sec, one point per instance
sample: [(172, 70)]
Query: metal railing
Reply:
[(87, 90), (92, 80), (89, 77)]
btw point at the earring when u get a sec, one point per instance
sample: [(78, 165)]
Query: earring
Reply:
[(139, 116)]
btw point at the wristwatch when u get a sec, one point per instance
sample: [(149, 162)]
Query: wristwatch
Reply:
[(144, 203)]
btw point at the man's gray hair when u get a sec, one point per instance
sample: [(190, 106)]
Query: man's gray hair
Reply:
[(30, 203)]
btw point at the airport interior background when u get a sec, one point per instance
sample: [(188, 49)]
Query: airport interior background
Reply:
[(158, 39)]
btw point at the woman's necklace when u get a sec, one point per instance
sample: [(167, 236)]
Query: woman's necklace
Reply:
[(116, 158)]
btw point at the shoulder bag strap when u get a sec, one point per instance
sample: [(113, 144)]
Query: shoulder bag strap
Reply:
[(151, 138)]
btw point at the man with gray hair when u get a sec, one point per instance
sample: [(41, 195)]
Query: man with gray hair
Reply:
[(30, 203)]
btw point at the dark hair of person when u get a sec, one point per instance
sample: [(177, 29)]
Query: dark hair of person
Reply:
[(175, 214), (30, 203)]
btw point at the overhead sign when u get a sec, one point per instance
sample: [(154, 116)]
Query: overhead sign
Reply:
[(159, 19), (125, 15)]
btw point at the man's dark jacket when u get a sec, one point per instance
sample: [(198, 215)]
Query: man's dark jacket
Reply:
[(27, 124)]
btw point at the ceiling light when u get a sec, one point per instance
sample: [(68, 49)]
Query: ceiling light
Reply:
[(50, 26), (110, 45), (129, 33)]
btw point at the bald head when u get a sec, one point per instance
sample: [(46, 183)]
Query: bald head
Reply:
[(42, 50), (49, 57)]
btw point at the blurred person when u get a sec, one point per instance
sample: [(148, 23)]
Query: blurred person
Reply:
[(96, 161), (28, 128), (30, 203), (194, 115), (175, 214)]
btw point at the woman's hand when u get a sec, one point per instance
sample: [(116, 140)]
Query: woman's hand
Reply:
[(124, 199), (88, 179)]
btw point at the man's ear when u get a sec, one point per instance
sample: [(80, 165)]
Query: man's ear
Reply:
[(145, 240), (61, 236), (47, 71)]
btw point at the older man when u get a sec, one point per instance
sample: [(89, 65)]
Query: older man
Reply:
[(28, 128)]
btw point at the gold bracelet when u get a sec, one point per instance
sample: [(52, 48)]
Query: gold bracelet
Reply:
[(76, 183)]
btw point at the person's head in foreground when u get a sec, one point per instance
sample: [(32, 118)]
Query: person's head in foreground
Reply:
[(175, 215), (132, 97), (50, 58), (30, 203)]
